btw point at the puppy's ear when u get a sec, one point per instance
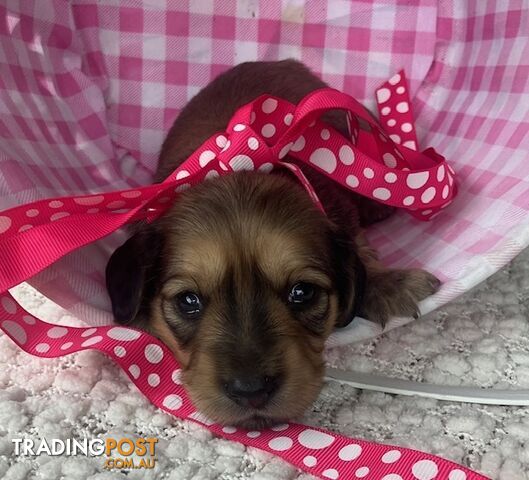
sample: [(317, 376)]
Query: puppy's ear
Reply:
[(131, 276), (350, 277)]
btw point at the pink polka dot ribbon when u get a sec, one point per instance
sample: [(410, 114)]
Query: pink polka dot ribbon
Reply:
[(372, 162), (153, 369)]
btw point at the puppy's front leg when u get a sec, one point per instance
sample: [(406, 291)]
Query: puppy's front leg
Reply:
[(391, 292)]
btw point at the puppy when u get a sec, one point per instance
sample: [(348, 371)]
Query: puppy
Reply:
[(244, 278)]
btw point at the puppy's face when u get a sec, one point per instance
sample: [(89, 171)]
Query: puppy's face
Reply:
[(243, 279)]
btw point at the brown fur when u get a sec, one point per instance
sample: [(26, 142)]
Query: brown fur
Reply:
[(242, 241)]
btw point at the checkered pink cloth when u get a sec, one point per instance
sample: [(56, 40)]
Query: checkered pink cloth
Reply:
[(89, 89)]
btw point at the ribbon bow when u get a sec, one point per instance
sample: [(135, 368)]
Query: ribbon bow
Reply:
[(34, 236), (386, 168)]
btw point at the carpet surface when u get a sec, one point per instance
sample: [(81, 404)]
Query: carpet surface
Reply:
[(481, 339)]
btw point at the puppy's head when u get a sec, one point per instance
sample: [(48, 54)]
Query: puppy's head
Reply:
[(244, 279)]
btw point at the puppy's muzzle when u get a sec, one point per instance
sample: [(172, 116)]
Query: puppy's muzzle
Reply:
[(252, 391)]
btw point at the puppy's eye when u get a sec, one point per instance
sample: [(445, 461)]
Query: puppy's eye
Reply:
[(301, 293), (189, 304)]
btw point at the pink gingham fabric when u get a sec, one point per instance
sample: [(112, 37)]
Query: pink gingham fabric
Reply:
[(89, 89)]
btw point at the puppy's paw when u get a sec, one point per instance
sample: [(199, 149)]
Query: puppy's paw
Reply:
[(395, 293)]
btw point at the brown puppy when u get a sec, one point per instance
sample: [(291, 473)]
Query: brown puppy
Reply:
[(244, 278)]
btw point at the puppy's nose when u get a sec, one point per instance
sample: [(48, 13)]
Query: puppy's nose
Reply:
[(252, 392)]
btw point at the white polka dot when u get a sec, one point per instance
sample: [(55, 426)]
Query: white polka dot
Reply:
[(394, 79), (315, 439), (288, 118), (410, 144), (134, 371), (406, 127), (200, 417), (445, 191), (369, 173), (391, 457), (153, 380), (280, 427), (239, 127), (311, 124), (42, 347), (88, 332), (205, 157), (266, 167), (362, 472), (383, 95), (33, 212), (441, 173), (176, 377), (229, 429), (390, 177), (401, 90), (211, 174), (389, 160), (182, 174), (428, 195), (252, 117), (253, 143), (385, 111), (408, 201), (131, 194), (268, 130), (269, 105), (285, 150), (23, 228), (310, 461), (450, 179), (299, 144), (241, 162), (350, 452), (182, 188), (280, 444), (55, 204), (330, 473), (119, 351), (392, 476), (66, 346), (228, 144), (124, 334), (346, 155), (221, 141), (253, 434), (29, 319), (57, 332), (324, 158), (95, 200), (426, 212), (325, 134), (92, 341), (172, 402), (395, 138), (425, 470), (391, 122), (352, 181), (116, 204), (58, 216), (9, 305), (417, 180), (153, 353), (381, 193), (92, 210), (16, 331), (223, 166), (457, 475), (402, 107)]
